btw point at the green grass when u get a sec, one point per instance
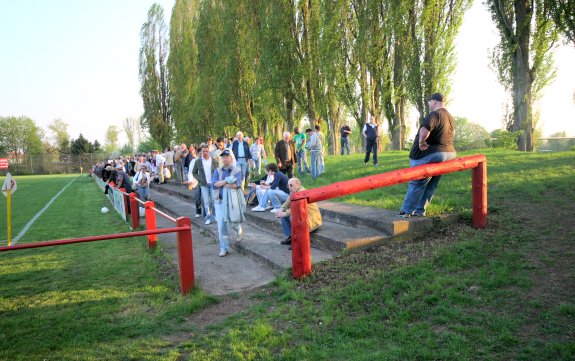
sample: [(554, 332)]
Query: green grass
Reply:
[(505, 292), (101, 300)]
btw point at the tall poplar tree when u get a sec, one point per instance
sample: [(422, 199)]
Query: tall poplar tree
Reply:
[(154, 86), (183, 71), (523, 58), (434, 26)]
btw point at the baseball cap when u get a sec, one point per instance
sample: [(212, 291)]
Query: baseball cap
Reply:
[(225, 153), (436, 96)]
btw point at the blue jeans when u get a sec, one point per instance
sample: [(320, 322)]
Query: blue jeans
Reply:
[(301, 161), (286, 225), (344, 145), (257, 165), (208, 200), (143, 193), (315, 163), (420, 192), (242, 163), (277, 197)]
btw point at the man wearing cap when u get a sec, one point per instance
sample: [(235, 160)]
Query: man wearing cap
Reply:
[(123, 179), (203, 171), (142, 182), (229, 201), (433, 144)]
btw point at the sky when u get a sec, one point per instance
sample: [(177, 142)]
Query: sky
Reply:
[(78, 61)]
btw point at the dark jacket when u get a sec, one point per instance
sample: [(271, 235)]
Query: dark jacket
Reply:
[(283, 154), (235, 145), (280, 182)]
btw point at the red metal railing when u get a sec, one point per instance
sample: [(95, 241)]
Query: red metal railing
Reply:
[(301, 255), (183, 229)]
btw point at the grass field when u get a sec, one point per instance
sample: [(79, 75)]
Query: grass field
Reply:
[(93, 301), (502, 293)]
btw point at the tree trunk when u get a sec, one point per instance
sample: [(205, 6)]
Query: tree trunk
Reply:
[(522, 117)]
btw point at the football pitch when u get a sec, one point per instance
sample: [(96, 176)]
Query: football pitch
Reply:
[(99, 300)]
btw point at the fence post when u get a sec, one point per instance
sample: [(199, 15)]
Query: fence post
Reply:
[(185, 255), (301, 252), (479, 195), (135, 214), (151, 223)]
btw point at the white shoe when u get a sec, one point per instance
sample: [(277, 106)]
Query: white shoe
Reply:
[(258, 209), (268, 207), (209, 221), (275, 210), (198, 215), (223, 253)]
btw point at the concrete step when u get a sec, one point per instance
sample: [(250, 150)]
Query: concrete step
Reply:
[(260, 246), (345, 226), (331, 236), (379, 219)]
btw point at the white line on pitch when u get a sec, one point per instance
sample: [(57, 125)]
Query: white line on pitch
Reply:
[(31, 222)]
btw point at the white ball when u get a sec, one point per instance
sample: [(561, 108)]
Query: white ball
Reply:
[(105, 210)]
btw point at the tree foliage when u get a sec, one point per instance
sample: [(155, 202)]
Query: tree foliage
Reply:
[(262, 66), (563, 14), (81, 145), (61, 137), (154, 85), (469, 135), (523, 58), (20, 135)]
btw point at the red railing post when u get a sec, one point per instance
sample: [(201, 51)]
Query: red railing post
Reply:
[(135, 211), (301, 252), (479, 194), (151, 223), (185, 255)]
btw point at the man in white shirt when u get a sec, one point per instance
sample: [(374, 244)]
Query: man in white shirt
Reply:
[(203, 171), (160, 162)]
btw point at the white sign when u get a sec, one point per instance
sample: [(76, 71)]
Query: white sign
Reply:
[(9, 183)]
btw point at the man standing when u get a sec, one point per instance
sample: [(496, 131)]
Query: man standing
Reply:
[(229, 201), (314, 145), (433, 144), (321, 138), (313, 215), (371, 134), (203, 171), (160, 161), (285, 154), (241, 152), (300, 140), (169, 155), (345, 132)]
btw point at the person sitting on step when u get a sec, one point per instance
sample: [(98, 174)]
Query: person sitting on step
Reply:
[(284, 214)]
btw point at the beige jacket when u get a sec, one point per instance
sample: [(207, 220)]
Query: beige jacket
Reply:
[(313, 215)]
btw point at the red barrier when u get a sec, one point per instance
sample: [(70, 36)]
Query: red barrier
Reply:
[(301, 250), (185, 254), (301, 260), (151, 223), (92, 238)]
